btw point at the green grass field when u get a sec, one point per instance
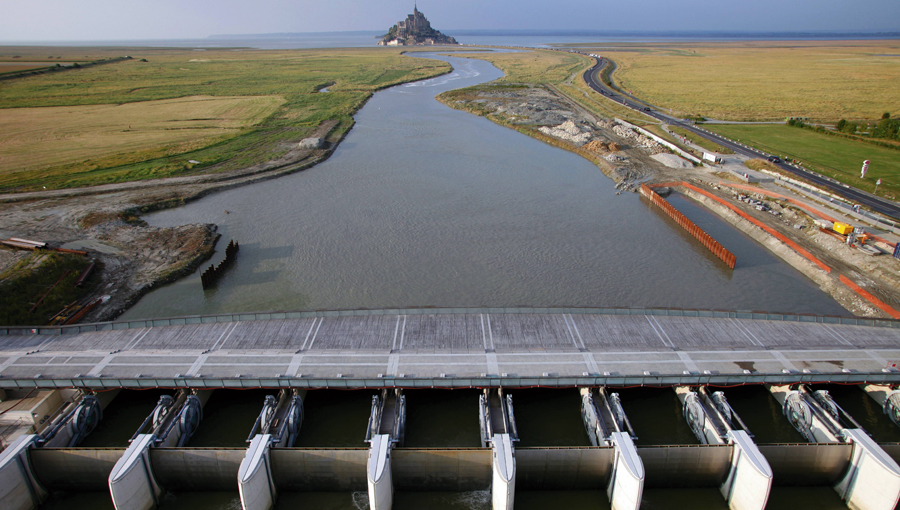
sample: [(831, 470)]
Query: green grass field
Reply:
[(833, 156), (295, 76)]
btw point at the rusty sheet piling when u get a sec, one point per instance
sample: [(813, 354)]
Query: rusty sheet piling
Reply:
[(705, 239), (213, 273)]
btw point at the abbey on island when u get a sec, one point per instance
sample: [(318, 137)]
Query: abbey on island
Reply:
[(414, 30)]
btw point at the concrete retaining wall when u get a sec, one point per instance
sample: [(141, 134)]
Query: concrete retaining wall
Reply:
[(873, 480), (587, 468), (662, 141), (442, 469), (750, 481), (255, 476), (197, 469), (18, 487), (685, 466), (131, 483), (75, 468), (807, 464), (303, 469)]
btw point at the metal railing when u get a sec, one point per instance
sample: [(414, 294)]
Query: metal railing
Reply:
[(488, 381), (264, 316)]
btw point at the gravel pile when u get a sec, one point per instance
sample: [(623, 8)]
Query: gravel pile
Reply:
[(639, 140), (567, 131)]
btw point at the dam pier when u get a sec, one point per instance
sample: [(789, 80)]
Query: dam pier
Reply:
[(659, 398)]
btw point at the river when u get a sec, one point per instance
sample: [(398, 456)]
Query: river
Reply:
[(423, 205)]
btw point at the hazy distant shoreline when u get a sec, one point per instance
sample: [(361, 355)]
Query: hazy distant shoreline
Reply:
[(535, 38)]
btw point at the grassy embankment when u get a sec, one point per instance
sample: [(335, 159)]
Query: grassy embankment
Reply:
[(234, 109), (22, 287), (550, 69), (832, 156)]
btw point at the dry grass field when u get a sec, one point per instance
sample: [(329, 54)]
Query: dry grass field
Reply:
[(109, 135), (235, 133), (766, 80)]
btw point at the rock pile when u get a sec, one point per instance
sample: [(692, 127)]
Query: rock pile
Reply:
[(639, 139), (602, 147), (312, 143), (567, 131)]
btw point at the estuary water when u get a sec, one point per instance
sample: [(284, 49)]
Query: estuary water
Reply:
[(423, 205)]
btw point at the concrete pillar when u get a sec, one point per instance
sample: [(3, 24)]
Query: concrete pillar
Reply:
[(750, 480), (131, 482), (255, 484), (872, 482), (19, 489), (626, 484), (503, 469), (378, 473)]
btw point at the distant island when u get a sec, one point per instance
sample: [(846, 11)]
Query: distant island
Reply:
[(414, 30)]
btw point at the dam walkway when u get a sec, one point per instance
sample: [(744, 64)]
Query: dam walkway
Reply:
[(449, 348)]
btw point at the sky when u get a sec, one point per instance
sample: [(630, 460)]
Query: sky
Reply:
[(93, 20)]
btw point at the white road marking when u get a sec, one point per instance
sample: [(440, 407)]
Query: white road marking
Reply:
[(402, 332), (137, 338), (580, 339), (661, 338), (311, 326), (313, 339)]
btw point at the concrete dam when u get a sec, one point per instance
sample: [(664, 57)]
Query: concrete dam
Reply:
[(714, 377)]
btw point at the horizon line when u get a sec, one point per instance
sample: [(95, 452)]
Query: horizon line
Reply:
[(762, 34)]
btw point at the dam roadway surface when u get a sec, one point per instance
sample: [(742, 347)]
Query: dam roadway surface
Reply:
[(454, 348)]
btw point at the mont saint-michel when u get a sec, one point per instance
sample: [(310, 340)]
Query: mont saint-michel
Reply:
[(414, 30)]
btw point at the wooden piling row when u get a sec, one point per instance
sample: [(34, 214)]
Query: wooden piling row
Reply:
[(213, 273), (707, 240)]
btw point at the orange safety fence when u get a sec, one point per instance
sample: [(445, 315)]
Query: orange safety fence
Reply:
[(771, 231), (843, 279), (811, 210), (884, 307), (805, 207), (707, 240)]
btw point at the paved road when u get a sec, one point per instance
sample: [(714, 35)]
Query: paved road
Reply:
[(886, 207)]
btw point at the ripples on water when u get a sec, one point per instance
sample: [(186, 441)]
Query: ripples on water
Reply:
[(423, 205)]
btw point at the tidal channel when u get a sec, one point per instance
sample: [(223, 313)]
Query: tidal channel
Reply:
[(423, 205)]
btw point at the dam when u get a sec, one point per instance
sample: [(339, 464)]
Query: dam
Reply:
[(746, 404)]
